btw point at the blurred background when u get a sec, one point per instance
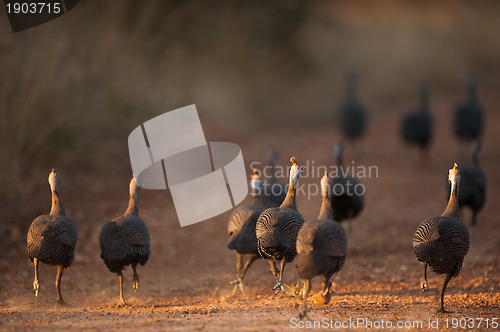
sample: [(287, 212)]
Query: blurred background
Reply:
[(261, 73), (74, 88)]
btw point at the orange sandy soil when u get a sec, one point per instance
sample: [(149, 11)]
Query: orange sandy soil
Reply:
[(185, 284)]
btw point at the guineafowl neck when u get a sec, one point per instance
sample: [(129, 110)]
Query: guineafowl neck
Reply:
[(256, 198), (57, 207), (132, 207), (289, 200), (452, 208), (273, 179), (326, 211)]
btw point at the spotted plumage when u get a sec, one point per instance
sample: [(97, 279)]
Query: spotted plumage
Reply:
[(52, 238), (277, 229), (442, 242), (126, 241), (241, 231), (321, 249)]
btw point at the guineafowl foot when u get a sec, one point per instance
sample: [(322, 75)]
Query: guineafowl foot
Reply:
[(303, 314), (60, 301), (279, 287), (121, 303), (36, 287), (135, 285), (443, 311), (327, 296), (238, 283), (423, 285)]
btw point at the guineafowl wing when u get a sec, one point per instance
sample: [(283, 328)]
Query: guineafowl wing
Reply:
[(454, 235), (63, 231), (331, 238), (119, 235)]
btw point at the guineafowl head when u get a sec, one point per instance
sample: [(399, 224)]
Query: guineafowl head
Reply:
[(256, 182), (325, 181), (338, 151), (134, 186), (54, 181), (272, 154), (454, 175), (295, 171), (475, 152), (423, 95), (472, 87)]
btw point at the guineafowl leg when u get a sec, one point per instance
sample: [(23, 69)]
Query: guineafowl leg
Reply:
[(447, 278), (135, 285), (303, 308), (423, 280), (273, 268), (36, 285), (327, 284), (279, 283), (120, 281), (239, 263), (241, 275), (473, 218), (60, 270)]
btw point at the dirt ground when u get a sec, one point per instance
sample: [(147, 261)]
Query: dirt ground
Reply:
[(185, 284)]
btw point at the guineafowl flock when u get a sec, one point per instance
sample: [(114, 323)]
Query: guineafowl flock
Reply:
[(272, 227)]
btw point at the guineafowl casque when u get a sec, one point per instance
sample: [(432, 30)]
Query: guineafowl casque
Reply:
[(468, 117), (442, 242), (126, 240), (273, 191), (352, 115), (277, 229), (241, 231), (417, 125), (52, 238), (472, 191), (346, 192), (321, 248)]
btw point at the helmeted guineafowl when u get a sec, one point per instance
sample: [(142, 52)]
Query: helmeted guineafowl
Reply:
[(273, 191), (126, 240), (468, 117), (417, 125), (472, 191), (442, 242), (346, 192), (241, 231), (352, 115), (52, 238), (321, 248), (277, 229)]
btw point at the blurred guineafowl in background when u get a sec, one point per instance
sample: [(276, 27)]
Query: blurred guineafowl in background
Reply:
[(472, 191), (352, 115), (277, 229), (442, 242), (241, 231), (52, 238), (273, 191), (126, 240), (321, 248), (468, 120), (417, 125), (346, 192)]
